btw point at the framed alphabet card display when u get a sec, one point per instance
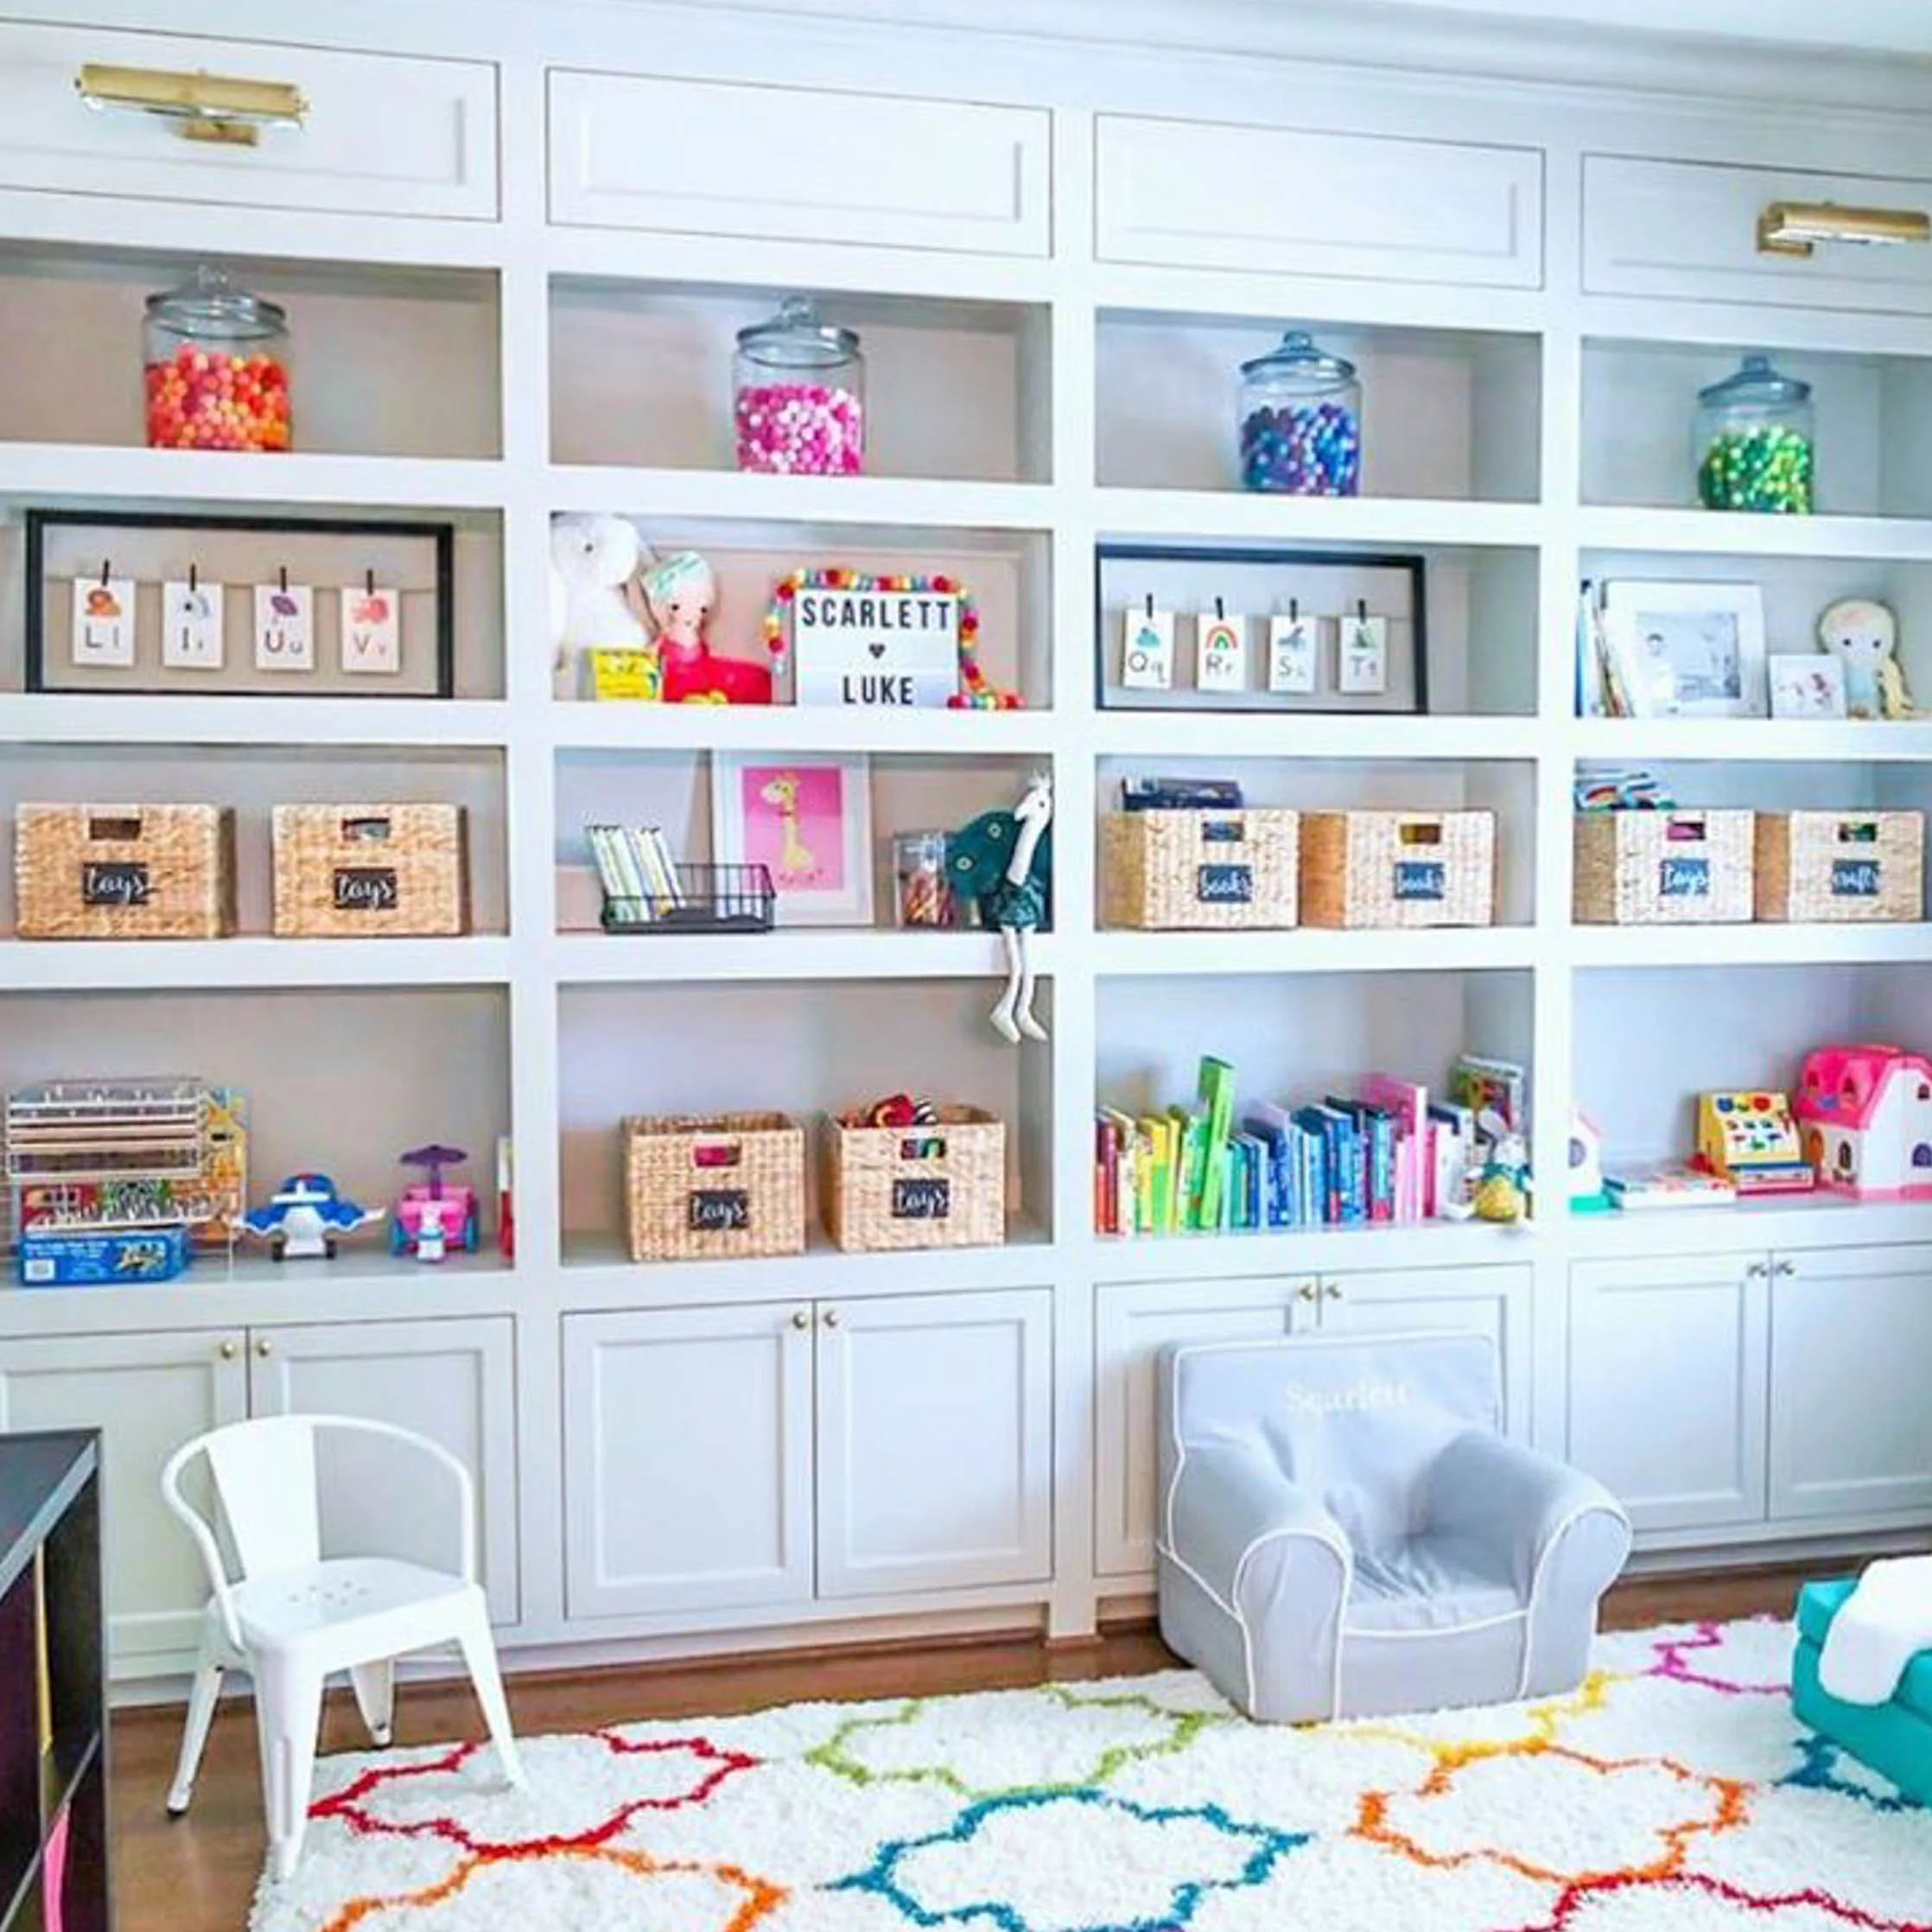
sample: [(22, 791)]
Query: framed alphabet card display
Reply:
[(1185, 627), (148, 604)]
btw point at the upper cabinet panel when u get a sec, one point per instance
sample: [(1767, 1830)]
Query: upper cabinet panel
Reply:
[(1690, 229), (380, 135), (1188, 194), (708, 158)]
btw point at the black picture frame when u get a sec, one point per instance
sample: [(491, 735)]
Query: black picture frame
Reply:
[(36, 523), (1412, 564)]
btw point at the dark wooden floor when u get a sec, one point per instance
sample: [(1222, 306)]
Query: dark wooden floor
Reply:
[(198, 1874)]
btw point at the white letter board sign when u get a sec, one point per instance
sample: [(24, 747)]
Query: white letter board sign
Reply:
[(894, 649)]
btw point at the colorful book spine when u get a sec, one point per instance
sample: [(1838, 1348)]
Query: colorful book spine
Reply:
[(1215, 1092)]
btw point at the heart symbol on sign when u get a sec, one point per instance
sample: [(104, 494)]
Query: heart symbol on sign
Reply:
[(877, 649)]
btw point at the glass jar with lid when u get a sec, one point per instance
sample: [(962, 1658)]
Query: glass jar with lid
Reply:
[(1300, 421), (798, 395), (217, 360), (1753, 443)]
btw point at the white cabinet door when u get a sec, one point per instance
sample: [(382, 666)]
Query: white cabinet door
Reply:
[(1668, 1365), (687, 1458), (1494, 1301), (452, 1381), (147, 1395), (1851, 1420), (1687, 231), (935, 1442), (1296, 202), (712, 158), (383, 135), (1133, 1321)]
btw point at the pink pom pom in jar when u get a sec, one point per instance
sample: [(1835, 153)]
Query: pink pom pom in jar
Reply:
[(798, 395)]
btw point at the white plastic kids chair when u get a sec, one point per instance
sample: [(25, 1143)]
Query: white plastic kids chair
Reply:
[(294, 1616)]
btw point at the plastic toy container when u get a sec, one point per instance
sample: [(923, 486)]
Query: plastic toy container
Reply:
[(1753, 442), (1300, 421), (798, 395), (217, 361)]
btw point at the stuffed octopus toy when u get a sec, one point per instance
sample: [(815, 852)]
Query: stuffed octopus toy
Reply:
[(1003, 862)]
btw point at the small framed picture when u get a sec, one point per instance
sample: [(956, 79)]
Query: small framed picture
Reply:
[(1689, 650), (809, 821), (1807, 684)]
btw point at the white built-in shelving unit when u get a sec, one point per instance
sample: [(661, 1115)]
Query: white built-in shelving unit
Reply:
[(1057, 251)]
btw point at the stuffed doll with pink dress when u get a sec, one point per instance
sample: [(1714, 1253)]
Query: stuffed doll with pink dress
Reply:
[(679, 593)]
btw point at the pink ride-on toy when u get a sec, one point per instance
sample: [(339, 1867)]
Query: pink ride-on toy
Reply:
[(433, 1217)]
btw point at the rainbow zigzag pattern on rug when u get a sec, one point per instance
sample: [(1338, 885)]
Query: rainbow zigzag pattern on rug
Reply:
[(1674, 1792)]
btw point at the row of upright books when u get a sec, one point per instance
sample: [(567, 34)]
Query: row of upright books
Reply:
[(635, 870), (1386, 1153)]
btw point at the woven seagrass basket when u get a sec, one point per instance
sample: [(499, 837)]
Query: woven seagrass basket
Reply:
[(367, 871), (942, 1186), (1840, 867), (1211, 870), (715, 1187), (1663, 867), (1398, 870), (124, 872)]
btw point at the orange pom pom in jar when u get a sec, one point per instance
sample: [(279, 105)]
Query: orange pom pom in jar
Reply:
[(216, 367)]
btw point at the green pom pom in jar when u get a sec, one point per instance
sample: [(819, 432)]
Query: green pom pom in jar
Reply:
[(1753, 443)]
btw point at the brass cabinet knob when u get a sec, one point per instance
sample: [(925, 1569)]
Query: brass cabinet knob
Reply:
[(228, 1352), (1784, 1270), (800, 1318), (1330, 1292), (264, 1347), (1308, 1291), (1757, 1271), (831, 1317)]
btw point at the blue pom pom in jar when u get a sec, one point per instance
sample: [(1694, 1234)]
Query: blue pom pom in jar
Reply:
[(1300, 421)]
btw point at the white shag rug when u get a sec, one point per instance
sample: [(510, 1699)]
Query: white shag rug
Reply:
[(1674, 1792)]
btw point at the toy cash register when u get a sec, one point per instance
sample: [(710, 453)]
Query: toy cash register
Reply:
[(1751, 1140)]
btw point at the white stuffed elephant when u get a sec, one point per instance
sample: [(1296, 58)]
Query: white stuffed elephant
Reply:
[(595, 603)]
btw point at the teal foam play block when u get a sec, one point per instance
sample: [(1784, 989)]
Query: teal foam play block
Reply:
[(1894, 1739)]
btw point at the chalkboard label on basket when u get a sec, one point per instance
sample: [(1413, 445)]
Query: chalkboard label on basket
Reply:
[(1684, 879), (926, 1198), (1225, 885), (717, 1210), (366, 889), (1421, 878), (1854, 878), (114, 883)]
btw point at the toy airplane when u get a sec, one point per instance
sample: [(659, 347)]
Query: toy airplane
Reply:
[(305, 1217)]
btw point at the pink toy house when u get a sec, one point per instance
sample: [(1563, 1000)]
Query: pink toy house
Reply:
[(1866, 1112)]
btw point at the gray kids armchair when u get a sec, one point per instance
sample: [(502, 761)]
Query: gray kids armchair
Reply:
[(1344, 1532)]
